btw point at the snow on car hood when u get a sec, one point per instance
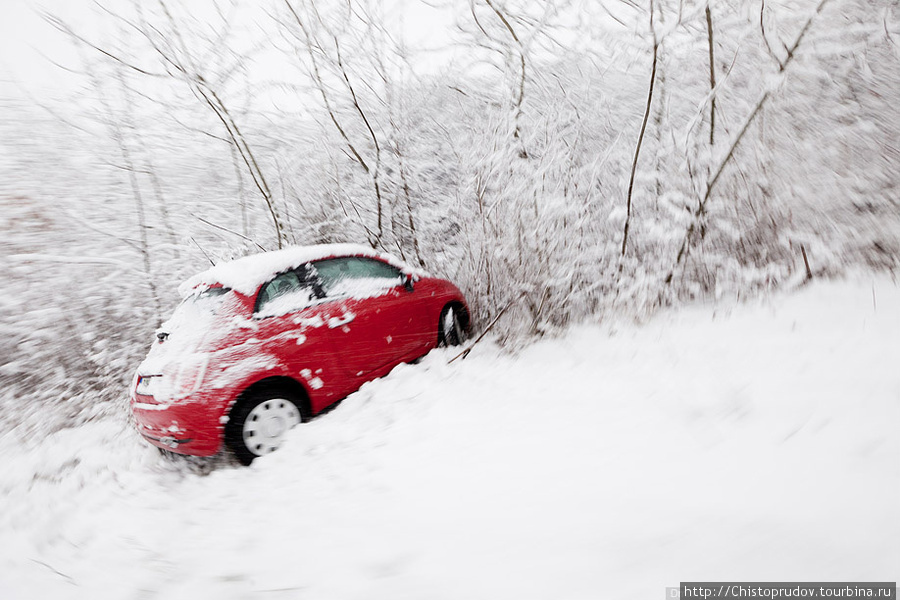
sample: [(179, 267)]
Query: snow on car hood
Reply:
[(246, 274)]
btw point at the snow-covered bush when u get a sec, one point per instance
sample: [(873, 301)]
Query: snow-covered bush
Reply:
[(512, 161)]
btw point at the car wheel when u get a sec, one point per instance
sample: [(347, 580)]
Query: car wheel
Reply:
[(166, 454), (258, 424), (450, 328)]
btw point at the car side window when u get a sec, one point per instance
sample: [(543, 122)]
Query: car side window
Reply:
[(286, 293), (356, 276)]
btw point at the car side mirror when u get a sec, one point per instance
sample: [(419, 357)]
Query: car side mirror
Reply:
[(408, 282)]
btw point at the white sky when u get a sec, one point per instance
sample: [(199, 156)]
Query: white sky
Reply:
[(29, 46)]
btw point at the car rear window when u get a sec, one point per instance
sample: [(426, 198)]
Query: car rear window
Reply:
[(193, 318), (286, 293), (207, 300)]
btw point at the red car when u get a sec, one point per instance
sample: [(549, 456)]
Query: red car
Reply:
[(265, 342)]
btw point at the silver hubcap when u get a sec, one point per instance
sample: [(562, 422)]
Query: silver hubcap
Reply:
[(267, 423)]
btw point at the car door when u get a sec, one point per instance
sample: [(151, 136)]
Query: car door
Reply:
[(292, 332), (376, 319)]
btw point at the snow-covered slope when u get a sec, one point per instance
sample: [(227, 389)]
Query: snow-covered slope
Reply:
[(754, 443)]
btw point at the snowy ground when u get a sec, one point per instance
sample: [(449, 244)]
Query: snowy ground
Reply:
[(751, 444)]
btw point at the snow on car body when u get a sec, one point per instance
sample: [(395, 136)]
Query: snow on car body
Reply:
[(266, 341)]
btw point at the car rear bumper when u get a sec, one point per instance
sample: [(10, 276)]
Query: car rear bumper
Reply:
[(186, 427)]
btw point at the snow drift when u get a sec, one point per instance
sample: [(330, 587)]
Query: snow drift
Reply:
[(751, 443)]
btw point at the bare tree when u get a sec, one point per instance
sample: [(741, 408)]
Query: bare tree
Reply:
[(519, 97), (171, 45), (637, 150), (699, 212), (312, 28), (712, 77)]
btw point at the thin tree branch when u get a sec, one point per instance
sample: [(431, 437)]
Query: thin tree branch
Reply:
[(712, 78), (637, 150), (522, 74), (240, 235)]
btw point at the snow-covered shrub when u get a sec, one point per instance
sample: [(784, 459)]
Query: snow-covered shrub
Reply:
[(504, 166)]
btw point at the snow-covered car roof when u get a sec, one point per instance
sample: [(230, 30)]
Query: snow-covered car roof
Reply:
[(246, 274)]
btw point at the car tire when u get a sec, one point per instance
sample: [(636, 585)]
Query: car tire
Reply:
[(166, 454), (451, 331), (258, 423)]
